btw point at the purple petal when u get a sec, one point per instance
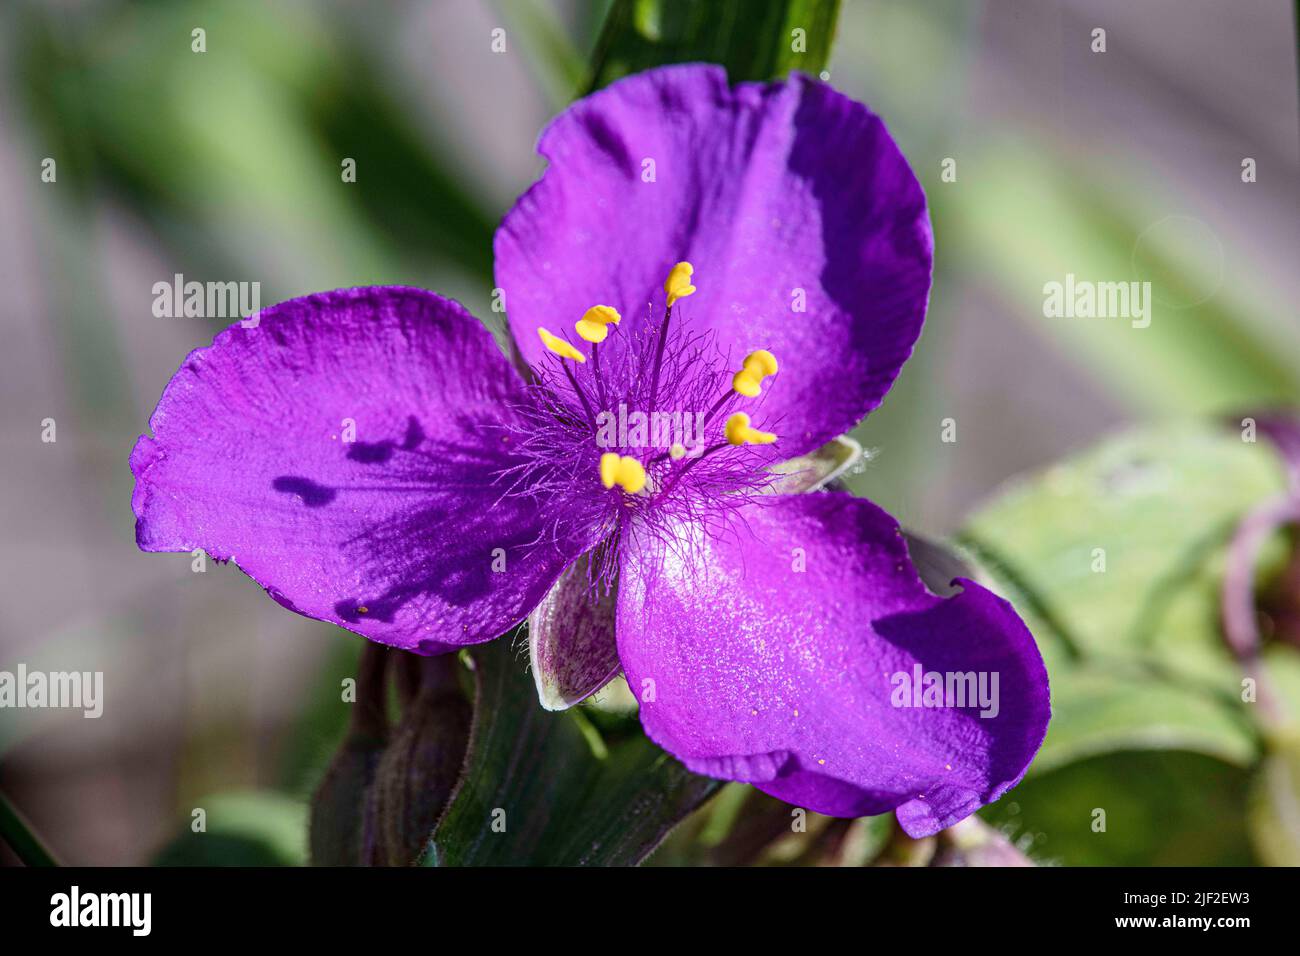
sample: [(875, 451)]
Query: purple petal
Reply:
[(767, 190), (786, 679), (571, 644), (402, 535)]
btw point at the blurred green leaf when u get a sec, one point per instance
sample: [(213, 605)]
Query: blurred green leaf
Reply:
[(1134, 651), (233, 155), (1097, 710), (753, 39), (247, 828), (564, 795), (1038, 215), (1162, 808), (1275, 805), (322, 718), (556, 63), (1282, 664), (21, 838), (404, 189)]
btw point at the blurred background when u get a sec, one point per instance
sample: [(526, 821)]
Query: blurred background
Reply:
[(224, 166)]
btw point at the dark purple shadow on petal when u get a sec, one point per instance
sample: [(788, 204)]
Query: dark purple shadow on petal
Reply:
[(311, 494), (371, 453), (432, 561), (395, 536), (378, 453)]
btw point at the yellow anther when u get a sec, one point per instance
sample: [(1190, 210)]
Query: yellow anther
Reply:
[(609, 468), (560, 347), (592, 325), (631, 475), (758, 366), (738, 432), (746, 384), (678, 284), (626, 472), (762, 361), (593, 332), (676, 451)]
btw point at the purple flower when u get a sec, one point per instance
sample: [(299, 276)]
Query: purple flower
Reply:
[(706, 281)]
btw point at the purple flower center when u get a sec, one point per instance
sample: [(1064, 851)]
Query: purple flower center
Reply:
[(639, 427)]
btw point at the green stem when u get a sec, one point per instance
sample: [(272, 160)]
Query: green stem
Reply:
[(20, 836)]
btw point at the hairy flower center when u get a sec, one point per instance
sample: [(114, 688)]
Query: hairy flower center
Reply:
[(642, 425)]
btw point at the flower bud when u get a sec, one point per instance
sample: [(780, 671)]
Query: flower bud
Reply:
[(422, 763), (338, 827)]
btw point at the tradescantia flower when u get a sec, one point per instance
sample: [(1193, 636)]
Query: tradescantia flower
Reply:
[(706, 282)]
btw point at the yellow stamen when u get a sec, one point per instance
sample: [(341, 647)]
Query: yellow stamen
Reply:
[(746, 384), (631, 475), (592, 325), (560, 347), (626, 472), (763, 361), (609, 468), (678, 284), (758, 366), (738, 432)]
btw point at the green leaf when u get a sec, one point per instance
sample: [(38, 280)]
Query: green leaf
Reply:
[(21, 838), (1038, 215), (1162, 808), (1115, 559), (545, 788), (556, 64), (321, 716), (753, 39), (1096, 711), (252, 132), (252, 828), (1282, 664), (1275, 805)]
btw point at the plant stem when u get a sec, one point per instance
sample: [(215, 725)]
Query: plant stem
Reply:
[(22, 839)]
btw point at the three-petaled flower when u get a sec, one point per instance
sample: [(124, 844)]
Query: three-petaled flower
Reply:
[(760, 630)]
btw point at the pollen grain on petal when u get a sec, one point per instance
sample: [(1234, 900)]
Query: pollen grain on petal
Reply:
[(560, 347)]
